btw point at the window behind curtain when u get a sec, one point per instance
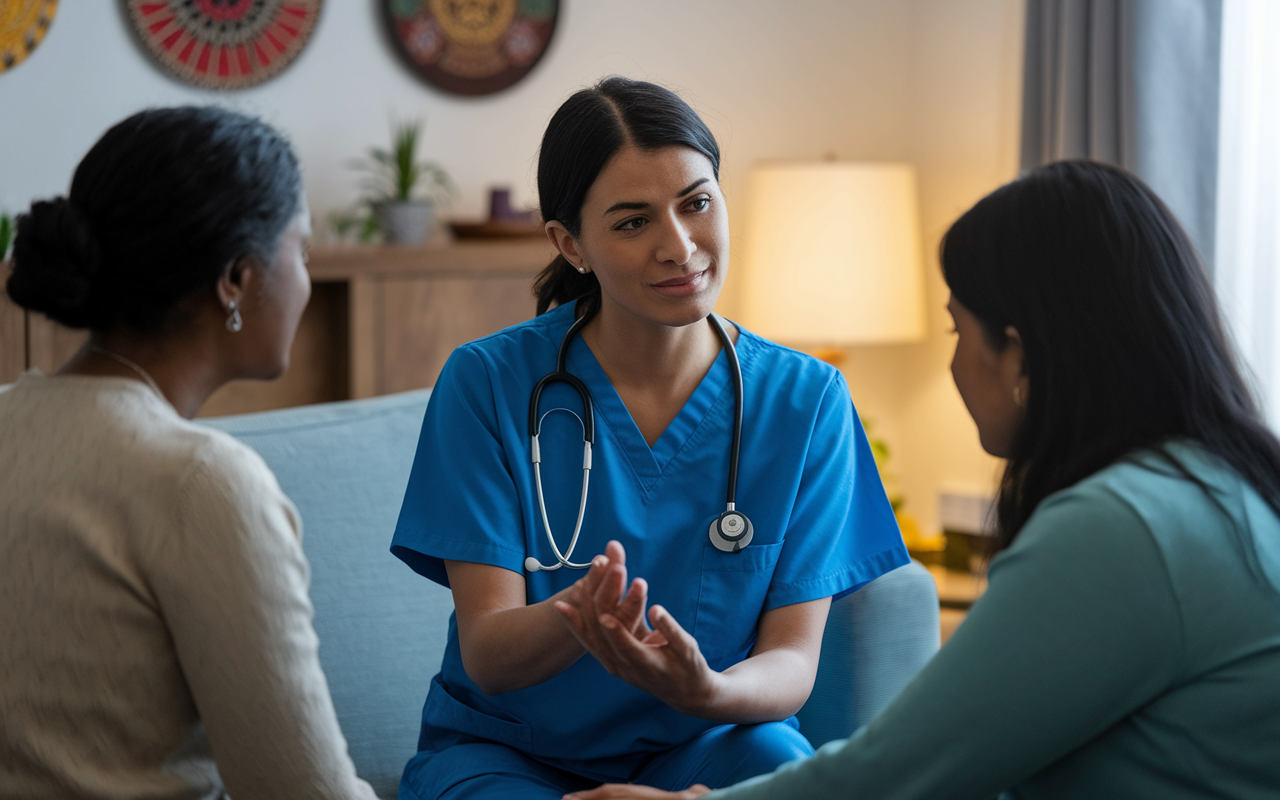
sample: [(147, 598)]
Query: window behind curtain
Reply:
[(1247, 257)]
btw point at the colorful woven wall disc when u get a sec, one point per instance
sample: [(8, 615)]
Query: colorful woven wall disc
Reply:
[(471, 46), (224, 44), (23, 24)]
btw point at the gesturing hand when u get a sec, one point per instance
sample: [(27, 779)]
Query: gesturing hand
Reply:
[(600, 591), (665, 661)]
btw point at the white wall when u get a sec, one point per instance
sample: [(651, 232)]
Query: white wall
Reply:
[(823, 76), (929, 81)]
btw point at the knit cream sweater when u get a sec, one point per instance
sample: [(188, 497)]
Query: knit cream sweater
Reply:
[(155, 628)]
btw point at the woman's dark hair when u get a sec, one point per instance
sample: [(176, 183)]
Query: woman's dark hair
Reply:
[(586, 131), (1124, 349), (157, 209)]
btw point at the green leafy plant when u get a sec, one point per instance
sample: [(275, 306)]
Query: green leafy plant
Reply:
[(392, 175), (880, 452), (6, 234)]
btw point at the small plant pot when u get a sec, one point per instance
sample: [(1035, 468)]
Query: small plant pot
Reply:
[(403, 222)]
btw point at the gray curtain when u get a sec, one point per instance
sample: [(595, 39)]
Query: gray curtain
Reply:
[(1132, 83)]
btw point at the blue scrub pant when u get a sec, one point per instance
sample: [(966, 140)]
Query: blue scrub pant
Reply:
[(720, 757)]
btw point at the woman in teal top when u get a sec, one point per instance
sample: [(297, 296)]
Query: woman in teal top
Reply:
[(1129, 642)]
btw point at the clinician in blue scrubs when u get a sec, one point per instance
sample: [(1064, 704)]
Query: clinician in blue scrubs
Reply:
[(691, 672)]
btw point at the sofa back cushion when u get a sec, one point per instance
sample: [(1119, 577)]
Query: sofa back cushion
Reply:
[(382, 628)]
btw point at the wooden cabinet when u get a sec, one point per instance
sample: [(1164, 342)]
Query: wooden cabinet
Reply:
[(13, 334), (380, 320)]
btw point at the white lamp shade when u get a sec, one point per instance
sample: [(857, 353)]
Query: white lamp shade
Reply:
[(833, 254)]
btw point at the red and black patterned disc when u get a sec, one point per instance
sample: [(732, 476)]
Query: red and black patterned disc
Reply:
[(224, 44), (471, 47)]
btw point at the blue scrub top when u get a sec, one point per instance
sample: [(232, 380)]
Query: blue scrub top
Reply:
[(807, 481)]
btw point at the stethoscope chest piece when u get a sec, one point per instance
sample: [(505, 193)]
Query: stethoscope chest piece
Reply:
[(731, 531)]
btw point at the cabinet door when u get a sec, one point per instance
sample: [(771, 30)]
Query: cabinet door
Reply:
[(13, 340), (422, 319)]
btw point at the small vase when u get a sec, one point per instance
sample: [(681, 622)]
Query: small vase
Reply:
[(403, 222)]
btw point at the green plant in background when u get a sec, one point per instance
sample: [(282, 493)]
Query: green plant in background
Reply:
[(927, 547), (363, 222), (393, 175), (6, 234), (880, 452)]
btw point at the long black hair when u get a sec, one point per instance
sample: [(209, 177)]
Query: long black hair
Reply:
[(585, 132), (1124, 348), (157, 209)]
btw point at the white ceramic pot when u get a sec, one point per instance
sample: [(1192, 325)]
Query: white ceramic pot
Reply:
[(403, 222)]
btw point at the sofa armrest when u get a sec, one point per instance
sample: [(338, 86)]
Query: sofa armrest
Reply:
[(876, 640)]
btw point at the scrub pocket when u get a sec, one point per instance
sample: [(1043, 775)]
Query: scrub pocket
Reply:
[(731, 599), (444, 715)]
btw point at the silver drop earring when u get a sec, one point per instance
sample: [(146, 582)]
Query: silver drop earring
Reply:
[(234, 323)]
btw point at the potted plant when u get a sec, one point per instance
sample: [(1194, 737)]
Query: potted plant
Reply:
[(6, 234), (400, 191)]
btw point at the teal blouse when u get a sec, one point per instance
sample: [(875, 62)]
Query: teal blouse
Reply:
[(1128, 646)]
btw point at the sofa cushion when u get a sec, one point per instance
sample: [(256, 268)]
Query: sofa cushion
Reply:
[(382, 628)]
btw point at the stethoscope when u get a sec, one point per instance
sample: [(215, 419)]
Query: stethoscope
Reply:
[(729, 532)]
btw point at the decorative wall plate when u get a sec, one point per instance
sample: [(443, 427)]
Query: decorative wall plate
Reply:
[(224, 44), (471, 47), (23, 24)]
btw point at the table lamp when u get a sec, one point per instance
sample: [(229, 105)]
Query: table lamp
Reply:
[(832, 254), (832, 259)]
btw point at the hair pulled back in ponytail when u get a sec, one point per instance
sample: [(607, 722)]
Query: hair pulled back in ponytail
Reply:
[(158, 208), (585, 132)]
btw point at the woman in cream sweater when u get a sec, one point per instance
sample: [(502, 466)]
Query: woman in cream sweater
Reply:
[(155, 629)]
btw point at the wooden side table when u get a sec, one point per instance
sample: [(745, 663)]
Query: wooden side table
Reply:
[(957, 591)]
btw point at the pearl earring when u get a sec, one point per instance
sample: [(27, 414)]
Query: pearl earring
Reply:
[(234, 322)]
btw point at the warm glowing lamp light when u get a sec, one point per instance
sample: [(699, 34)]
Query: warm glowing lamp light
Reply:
[(832, 254)]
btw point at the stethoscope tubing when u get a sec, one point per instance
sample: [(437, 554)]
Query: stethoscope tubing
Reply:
[(562, 560), (735, 373), (562, 375)]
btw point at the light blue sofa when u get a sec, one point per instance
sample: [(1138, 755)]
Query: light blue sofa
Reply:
[(382, 628)]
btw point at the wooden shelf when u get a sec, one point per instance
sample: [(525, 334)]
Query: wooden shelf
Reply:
[(380, 320), (468, 258)]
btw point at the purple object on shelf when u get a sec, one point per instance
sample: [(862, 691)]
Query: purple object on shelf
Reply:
[(500, 208)]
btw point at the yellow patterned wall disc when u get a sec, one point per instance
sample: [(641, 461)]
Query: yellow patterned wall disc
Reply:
[(471, 47), (23, 24), (474, 21)]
